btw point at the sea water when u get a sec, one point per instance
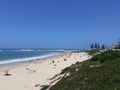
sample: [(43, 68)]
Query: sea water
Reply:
[(10, 56)]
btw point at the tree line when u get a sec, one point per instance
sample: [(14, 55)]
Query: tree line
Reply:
[(97, 46), (117, 46)]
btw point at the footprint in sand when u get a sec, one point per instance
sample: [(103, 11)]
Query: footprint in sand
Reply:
[(30, 71)]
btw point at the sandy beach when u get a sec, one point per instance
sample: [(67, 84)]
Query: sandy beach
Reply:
[(37, 74)]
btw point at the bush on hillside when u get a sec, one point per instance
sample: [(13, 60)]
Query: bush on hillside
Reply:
[(108, 55)]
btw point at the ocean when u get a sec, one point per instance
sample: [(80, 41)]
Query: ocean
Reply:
[(11, 56)]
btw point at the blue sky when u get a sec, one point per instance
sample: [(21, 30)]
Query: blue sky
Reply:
[(58, 23)]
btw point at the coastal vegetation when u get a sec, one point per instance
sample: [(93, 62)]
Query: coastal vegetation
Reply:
[(97, 46), (101, 72), (108, 55)]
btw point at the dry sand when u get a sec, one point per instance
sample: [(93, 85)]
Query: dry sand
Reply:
[(33, 75)]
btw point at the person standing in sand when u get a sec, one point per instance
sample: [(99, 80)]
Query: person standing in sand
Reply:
[(53, 61)]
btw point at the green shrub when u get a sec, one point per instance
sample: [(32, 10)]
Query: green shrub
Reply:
[(92, 52), (108, 55), (65, 70)]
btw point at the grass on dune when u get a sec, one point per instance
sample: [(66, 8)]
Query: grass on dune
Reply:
[(92, 74)]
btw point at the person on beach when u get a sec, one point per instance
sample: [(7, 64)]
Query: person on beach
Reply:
[(53, 61), (6, 73)]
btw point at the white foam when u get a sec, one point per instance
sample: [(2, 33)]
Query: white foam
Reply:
[(57, 50), (53, 50), (24, 50), (27, 59), (29, 50)]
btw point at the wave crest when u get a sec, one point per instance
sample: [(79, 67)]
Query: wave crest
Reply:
[(27, 59)]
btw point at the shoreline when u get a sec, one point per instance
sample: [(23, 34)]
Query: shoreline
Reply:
[(33, 75), (25, 63), (30, 59)]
